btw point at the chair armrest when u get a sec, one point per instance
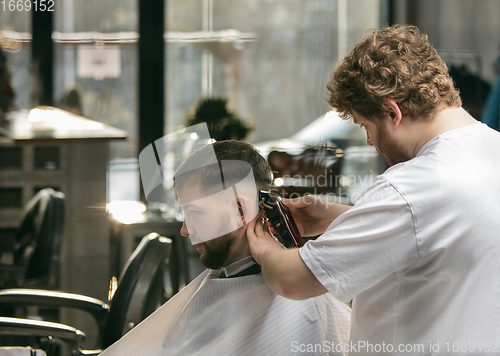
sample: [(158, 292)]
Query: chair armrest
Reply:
[(54, 299), (37, 297), (91, 352), (26, 327)]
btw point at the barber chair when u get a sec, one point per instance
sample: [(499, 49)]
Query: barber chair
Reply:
[(38, 243), (139, 293)]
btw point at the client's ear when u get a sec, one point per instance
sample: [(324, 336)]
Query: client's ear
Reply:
[(243, 209)]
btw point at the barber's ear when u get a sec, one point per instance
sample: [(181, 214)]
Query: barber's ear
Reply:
[(395, 114)]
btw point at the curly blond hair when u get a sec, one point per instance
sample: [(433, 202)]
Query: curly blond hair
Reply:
[(396, 63)]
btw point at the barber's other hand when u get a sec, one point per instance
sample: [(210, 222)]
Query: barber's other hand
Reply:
[(313, 215), (260, 240)]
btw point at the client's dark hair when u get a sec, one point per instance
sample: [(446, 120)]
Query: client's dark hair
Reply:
[(241, 154)]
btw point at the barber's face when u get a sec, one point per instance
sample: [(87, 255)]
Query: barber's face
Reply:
[(392, 150), (377, 135)]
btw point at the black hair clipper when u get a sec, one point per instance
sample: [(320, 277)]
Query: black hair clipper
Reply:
[(281, 218)]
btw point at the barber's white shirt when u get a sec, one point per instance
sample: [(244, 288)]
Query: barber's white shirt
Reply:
[(420, 251)]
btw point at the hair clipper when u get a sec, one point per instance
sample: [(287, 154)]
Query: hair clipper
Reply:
[(280, 218)]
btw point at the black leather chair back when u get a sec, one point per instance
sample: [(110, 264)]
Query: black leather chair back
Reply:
[(39, 239), (140, 287)]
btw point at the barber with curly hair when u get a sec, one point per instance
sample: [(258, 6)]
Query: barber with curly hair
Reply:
[(420, 250)]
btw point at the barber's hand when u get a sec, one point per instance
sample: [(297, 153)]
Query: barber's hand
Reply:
[(260, 240), (313, 215)]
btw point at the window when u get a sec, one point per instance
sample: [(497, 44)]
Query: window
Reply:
[(271, 58)]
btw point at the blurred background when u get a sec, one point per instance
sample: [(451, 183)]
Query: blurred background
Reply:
[(154, 67), (269, 58)]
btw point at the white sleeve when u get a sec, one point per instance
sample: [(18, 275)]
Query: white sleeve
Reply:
[(372, 240)]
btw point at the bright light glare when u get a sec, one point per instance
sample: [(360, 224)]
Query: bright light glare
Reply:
[(346, 181), (62, 120), (127, 212), (39, 115), (279, 182)]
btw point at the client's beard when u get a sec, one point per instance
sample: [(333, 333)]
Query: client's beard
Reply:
[(216, 251)]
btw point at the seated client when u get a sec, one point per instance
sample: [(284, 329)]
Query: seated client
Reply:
[(228, 309)]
